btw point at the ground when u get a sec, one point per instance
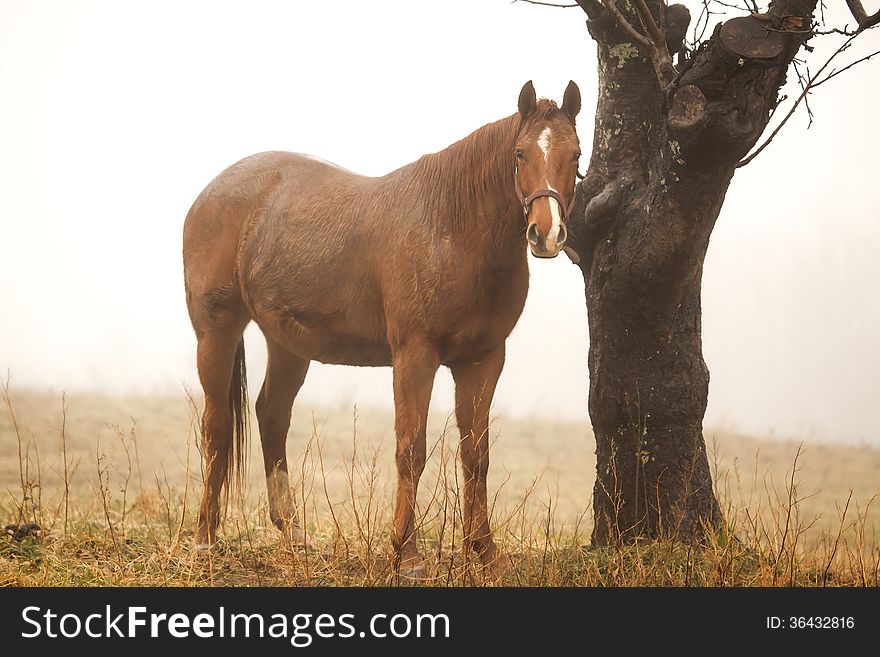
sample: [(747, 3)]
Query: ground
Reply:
[(133, 477)]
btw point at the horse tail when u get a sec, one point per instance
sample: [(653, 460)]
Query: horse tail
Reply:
[(238, 405)]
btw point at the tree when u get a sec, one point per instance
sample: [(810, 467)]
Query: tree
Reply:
[(668, 138)]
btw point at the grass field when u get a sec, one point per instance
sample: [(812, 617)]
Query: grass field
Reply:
[(113, 483)]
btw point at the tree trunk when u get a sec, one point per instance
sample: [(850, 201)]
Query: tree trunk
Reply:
[(661, 163)]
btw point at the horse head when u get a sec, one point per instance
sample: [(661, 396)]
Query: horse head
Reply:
[(545, 169)]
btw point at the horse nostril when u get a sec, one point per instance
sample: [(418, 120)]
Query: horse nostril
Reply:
[(562, 236), (532, 234)]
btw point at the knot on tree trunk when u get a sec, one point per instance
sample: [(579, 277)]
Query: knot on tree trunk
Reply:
[(725, 98)]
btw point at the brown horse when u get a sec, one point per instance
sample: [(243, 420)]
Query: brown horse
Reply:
[(423, 267)]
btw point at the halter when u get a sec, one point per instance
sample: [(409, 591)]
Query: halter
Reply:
[(527, 201)]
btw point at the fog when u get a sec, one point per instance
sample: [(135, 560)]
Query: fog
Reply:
[(116, 115)]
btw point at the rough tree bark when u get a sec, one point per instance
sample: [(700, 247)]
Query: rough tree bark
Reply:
[(665, 149)]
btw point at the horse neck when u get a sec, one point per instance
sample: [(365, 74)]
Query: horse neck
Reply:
[(469, 188)]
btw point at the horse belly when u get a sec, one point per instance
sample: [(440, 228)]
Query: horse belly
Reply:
[(336, 347), (352, 335)]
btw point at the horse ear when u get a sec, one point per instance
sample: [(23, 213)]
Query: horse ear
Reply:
[(571, 101), (527, 99)]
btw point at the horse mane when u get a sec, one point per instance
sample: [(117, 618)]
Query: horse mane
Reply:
[(456, 178)]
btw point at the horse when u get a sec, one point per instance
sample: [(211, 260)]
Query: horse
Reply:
[(423, 267)]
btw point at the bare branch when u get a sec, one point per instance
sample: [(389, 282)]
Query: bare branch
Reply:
[(835, 30), (701, 25), (654, 44), (848, 66), (811, 83), (803, 81), (650, 25), (547, 4), (624, 24), (737, 7), (593, 8), (859, 13), (660, 53)]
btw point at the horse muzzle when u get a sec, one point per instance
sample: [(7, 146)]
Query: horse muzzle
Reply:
[(549, 245), (546, 247)]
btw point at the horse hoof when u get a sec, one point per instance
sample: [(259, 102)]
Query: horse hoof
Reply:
[(299, 537), (413, 569), (202, 544), (499, 566)]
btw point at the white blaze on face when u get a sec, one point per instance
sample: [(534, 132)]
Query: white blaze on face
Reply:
[(555, 210), (556, 218), (544, 142)]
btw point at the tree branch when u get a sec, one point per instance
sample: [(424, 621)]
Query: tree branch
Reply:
[(593, 8), (811, 84), (848, 66), (650, 25), (861, 16), (624, 25), (654, 43), (547, 4)]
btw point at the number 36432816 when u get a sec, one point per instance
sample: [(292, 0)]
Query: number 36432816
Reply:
[(811, 622)]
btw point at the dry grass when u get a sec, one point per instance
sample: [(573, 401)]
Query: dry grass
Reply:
[(113, 485)]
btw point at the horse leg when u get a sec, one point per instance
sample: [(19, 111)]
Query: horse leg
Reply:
[(217, 351), (285, 374), (474, 388), (415, 363)]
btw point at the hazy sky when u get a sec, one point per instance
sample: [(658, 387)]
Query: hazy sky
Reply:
[(115, 115)]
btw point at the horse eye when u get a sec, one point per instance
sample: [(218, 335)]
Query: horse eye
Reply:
[(520, 155)]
